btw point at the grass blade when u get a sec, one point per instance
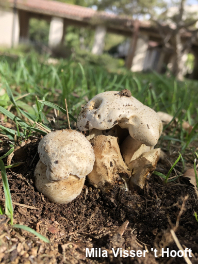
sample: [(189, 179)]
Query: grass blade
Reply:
[(9, 131), (173, 166), (7, 154), (12, 117), (9, 92), (159, 174), (26, 228), (1, 211), (8, 199), (14, 165)]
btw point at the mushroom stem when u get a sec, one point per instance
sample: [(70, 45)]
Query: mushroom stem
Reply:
[(109, 165), (142, 167), (132, 149)]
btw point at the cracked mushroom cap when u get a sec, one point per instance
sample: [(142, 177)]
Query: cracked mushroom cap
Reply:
[(66, 152), (107, 109)]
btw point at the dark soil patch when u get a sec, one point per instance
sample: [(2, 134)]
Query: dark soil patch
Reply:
[(102, 220)]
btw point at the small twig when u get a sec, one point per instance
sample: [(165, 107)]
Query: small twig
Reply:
[(2, 135), (122, 228), (180, 247), (42, 127), (181, 212), (22, 205), (9, 158), (24, 95), (67, 113)]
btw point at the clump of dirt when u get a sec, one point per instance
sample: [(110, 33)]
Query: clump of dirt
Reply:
[(107, 221)]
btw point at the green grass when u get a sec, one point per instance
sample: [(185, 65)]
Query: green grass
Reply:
[(166, 177), (33, 83)]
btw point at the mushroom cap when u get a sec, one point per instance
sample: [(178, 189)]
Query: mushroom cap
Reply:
[(110, 108), (66, 152), (61, 192)]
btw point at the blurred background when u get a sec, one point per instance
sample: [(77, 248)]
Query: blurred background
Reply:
[(140, 35)]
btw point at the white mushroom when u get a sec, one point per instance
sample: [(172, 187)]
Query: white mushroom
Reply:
[(110, 109), (66, 157), (107, 109), (66, 152), (109, 165)]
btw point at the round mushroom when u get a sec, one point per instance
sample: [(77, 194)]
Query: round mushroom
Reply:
[(66, 157)]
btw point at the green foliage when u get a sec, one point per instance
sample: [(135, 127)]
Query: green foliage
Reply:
[(103, 60), (77, 2), (8, 200), (190, 62), (19, 50), (113, 41), (32, 76), (39, 30), (166, 177), (79, 38), (128, 7), (4, 99), (196, 217), (1, 210)]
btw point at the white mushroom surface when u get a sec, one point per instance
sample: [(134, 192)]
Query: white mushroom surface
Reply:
[(66, 157), (107, 109), (66, 152), (108, 161), (61, 192)]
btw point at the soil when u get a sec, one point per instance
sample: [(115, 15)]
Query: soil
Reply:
[(115, 218)]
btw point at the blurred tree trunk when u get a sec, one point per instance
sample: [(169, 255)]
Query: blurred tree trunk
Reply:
[(177, 45), (171, 38)]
